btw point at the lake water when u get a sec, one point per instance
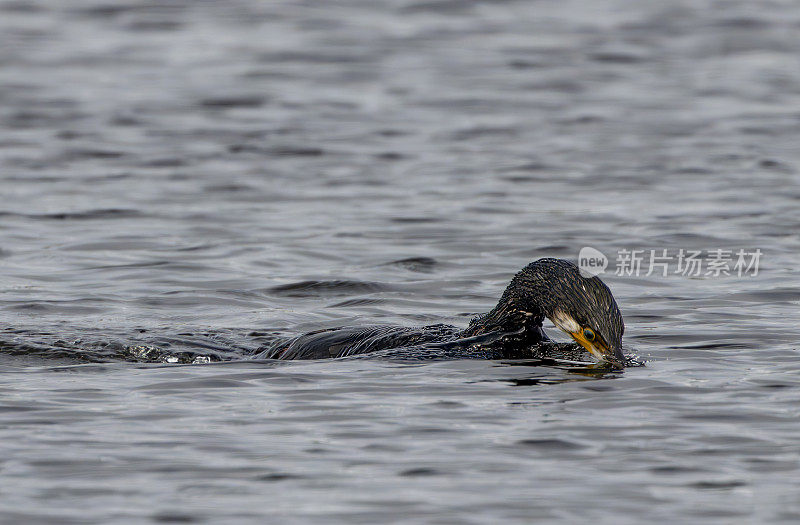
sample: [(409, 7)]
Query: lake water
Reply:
[(170, 172)]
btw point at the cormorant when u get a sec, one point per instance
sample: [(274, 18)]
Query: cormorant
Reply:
[(553, 288)]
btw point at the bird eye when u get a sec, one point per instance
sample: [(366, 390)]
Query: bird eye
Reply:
[(588, 333)]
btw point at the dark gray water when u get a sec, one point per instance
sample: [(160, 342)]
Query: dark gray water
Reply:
[(185, 181)]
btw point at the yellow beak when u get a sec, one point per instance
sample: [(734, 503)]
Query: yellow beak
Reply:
[(600, 350)]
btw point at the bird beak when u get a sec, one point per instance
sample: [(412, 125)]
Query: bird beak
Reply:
[(600, 350)]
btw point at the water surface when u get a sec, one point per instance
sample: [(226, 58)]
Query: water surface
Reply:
[(189, 181)]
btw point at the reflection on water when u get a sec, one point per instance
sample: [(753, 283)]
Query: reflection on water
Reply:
[(576, 371), (189, 182)]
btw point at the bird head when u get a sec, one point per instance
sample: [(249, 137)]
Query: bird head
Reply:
[(582, 307)]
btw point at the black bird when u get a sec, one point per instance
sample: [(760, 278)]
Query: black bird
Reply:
[(553, 288)]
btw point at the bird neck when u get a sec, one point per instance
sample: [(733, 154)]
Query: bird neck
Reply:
[(508, 316)]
